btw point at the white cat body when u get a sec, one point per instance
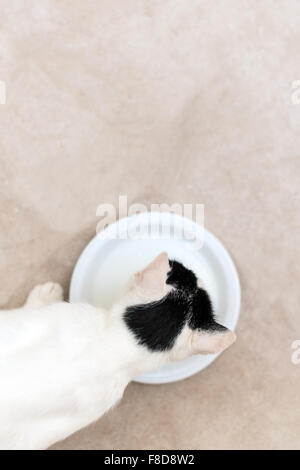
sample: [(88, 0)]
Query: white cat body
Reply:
[(62, 367)]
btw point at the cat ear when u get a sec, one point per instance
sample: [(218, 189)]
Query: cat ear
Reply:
[(212, 341), (151, 281)]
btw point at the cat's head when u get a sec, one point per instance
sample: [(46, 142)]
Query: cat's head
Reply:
[(169, 312)]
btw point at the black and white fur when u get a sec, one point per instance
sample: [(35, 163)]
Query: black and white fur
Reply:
[(62, 365)]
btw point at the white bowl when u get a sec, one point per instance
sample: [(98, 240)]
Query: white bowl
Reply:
[(106, 264)]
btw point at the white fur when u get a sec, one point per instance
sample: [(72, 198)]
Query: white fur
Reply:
[(61, 367)]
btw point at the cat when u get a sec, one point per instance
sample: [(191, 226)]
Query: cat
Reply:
[(62, 365)]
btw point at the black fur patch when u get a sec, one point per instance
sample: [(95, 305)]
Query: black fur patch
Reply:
[(181, 277), (202, 315), (156, 325)]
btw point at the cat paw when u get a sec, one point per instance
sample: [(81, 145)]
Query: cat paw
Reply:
[(45, 294)]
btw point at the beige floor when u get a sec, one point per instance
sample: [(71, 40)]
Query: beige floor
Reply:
[(165, 101)]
